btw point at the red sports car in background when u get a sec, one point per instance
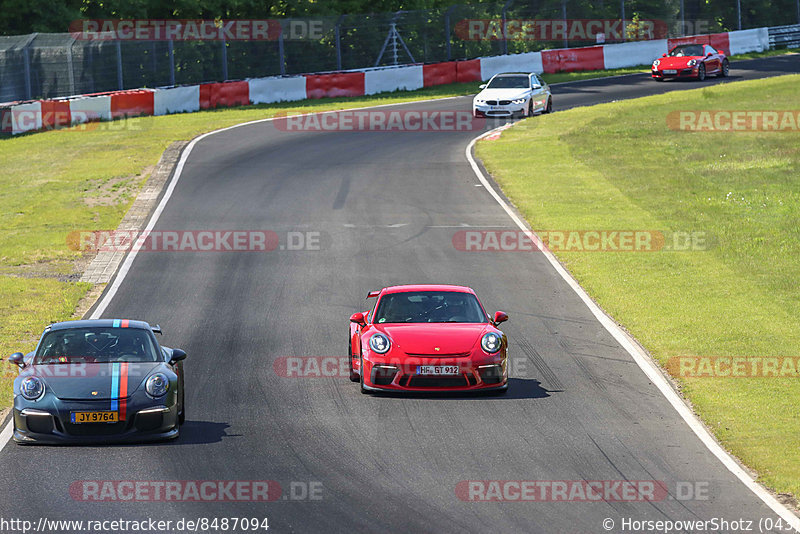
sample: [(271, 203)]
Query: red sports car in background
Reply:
[(690, 61), (427, 337)]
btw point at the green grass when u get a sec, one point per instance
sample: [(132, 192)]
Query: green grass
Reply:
[(739, 297)]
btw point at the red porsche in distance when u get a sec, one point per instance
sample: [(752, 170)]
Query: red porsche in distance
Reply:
[(428, 338), (690, 61)]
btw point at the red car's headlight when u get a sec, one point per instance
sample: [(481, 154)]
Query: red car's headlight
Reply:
[(379, 343), (491, 342), (692, 62)]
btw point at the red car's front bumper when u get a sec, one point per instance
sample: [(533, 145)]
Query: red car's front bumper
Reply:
[(688, 72), (400, 373)]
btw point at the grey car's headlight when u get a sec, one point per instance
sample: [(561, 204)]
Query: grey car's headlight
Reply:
[(157, 385), (518, 101), (379, 343), (32, 388), (480, 101), (491, 342)]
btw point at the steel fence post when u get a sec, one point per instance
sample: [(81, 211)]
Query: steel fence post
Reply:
[(119, 65)]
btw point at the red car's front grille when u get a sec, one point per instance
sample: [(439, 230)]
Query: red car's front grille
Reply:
[(440, 355)]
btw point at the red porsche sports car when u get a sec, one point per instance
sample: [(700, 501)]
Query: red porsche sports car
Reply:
[(690, 61), (428, 337)]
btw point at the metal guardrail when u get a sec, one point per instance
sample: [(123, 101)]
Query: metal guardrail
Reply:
[(784, 36)]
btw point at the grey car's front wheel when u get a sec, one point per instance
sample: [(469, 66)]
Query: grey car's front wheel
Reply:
[(701, 72)]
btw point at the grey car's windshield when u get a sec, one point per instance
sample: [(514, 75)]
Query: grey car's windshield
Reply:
[(687, 50), (429, 307), (509, 82), (96, 345)]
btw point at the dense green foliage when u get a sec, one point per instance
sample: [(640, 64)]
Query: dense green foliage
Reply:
[(25, 16)]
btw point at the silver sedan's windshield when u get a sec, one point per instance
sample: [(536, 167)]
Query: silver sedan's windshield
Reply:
[(96, 345), (509, 82), (430, 307)]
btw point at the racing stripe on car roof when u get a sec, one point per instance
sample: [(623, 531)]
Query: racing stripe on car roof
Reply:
[(115, 368), (123, 390)]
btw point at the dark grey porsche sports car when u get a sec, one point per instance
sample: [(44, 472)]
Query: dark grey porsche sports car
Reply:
[(105, 380)]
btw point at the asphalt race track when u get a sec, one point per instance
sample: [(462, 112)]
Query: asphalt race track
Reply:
[(386, 205)]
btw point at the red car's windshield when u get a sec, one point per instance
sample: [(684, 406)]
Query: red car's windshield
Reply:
[(96, 345), (429, 307), (687, 50)]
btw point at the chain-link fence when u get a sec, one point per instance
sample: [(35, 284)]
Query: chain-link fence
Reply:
[(53, 65)]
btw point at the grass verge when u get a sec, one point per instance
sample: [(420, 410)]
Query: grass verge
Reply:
[(736, 298)]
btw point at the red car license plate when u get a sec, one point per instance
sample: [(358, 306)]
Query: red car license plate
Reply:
[(670, 71), (437, 370)]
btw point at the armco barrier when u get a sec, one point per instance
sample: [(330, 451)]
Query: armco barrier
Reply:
[(132, 103), (90, 108), (176, 100), (224, 95), (527, 62), (634, 54), (22, 117), (572, 59), (393, 79), (270, 90), (333, 85), (468, 71), (439, 73), (744, 41)]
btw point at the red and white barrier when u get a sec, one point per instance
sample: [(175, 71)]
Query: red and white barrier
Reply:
[(271, 90), (176, 100), (633, 54), (744, 41), (47, 114), (393, 79), (90, 108), (527, 62)]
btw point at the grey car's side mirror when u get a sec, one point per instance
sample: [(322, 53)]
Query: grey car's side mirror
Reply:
[(17, 359), (536, 86), (177, 355)]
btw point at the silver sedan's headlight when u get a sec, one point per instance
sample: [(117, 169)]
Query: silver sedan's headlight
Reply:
[(491, 342), (480, 101), (157, 385), (518, 101), (32, 388), (379, 343)]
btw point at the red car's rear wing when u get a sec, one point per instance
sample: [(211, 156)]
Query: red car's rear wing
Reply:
[(373, 294)]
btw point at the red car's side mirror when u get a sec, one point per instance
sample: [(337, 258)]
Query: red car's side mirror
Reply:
[(358, 318), (663, 55), (500, 317)]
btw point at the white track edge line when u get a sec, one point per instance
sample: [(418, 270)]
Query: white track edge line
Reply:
[(7, 432), (642, 359)]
